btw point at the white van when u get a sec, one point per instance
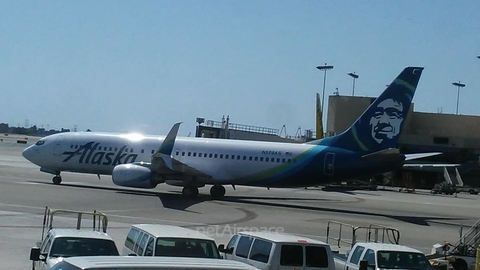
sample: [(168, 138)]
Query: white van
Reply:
[(171, 241), (265, 250), (147, 263)]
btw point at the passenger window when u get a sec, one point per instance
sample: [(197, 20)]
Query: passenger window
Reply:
[(260, 251), (283, 160), (183, 154), (142, 243), (291, 255), (216, 155), (356, 255), (210, 156), (153, 151), (231, 244), (369, 257), (316, 256), (149, 248), (221, 155), (46, 244), (189, 153), (194, 154), (137, 243), (250, 158), (261, 158), (256, 158), (132, 235), (143, 151), (243, 246), (177, 153), (226, 156)]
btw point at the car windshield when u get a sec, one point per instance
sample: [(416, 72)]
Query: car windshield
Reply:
[(76, 246), (402, 260), (183, 247)]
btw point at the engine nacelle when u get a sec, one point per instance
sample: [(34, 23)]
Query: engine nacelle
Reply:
[(133, 175)]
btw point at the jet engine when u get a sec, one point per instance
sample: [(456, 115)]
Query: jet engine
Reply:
[(135, 175)]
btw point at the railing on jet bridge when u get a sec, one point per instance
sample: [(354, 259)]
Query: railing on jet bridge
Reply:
[(373, 233), (99, 219)]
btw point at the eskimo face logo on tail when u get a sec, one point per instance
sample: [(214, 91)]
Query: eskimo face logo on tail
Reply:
[(90, 153), (387, 120)]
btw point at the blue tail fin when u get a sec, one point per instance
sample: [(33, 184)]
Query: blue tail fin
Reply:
[(379, 127)]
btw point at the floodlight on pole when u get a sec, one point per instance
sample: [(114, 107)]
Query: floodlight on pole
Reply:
[(355, 77), (458, 85), (324, 68)]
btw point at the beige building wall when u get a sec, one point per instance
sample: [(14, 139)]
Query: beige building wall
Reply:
[(429, 129)]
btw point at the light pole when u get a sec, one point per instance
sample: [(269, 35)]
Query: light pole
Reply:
[(354, 76), (458, 85), (324, 68)]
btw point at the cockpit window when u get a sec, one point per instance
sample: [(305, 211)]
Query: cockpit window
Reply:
[(40, 143)]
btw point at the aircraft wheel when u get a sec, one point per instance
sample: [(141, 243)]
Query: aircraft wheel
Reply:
[(57, 180), (460, 264), (190, 192), (217, 191)]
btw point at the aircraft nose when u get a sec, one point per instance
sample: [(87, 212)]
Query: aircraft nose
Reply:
[(28, 153)]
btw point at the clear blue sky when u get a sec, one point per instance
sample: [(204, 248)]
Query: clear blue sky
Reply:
[(144, 65)]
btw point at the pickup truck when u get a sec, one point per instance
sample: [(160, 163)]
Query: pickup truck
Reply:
[(59, 243), (379, 250), (382, 256)]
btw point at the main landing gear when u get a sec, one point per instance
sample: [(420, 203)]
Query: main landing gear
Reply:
[(216, 191), (190, 191), (57, 179)]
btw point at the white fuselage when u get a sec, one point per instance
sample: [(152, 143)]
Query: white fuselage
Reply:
[(223, 160)]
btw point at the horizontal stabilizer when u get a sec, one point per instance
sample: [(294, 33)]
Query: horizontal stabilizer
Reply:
[(430, 165), (382, 155), (421, 155)]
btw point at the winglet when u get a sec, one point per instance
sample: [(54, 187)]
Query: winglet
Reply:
[(167, 145), (166, 148)]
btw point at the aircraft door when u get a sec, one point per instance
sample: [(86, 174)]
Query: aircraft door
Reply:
[(58, 147), (329, 161)]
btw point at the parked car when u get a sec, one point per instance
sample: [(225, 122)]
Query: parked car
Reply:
[(147, 263), (60, 243), (443, 188), (167, 240), (266, 250)]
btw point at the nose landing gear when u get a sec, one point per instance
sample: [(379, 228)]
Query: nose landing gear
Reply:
[(57, 179)]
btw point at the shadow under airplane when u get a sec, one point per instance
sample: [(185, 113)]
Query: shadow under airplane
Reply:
[(178, 202)]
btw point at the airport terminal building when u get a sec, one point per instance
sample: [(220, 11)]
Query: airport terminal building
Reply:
[(457, 136)]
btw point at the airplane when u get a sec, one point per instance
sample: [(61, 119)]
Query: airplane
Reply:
[(366, 149)]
